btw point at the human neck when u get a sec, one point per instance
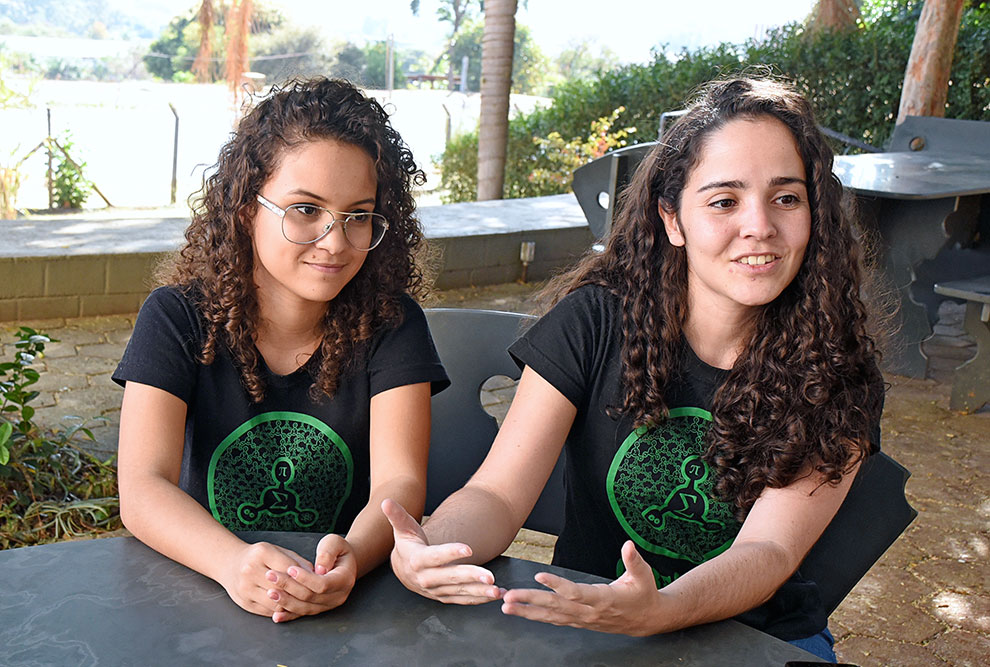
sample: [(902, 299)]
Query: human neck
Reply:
[(717, 336), (288, 331)]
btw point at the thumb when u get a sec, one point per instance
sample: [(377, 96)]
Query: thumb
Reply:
[(403, 525), (637, 569), (330, 549)]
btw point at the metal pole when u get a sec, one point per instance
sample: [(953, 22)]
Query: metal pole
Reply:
[(51, 185), (464, 73), (389, 66), (175, 150)]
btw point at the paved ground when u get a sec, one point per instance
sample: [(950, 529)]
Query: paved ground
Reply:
[(927, 602)]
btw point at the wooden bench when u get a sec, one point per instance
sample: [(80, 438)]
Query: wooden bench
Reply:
[(971, 384)]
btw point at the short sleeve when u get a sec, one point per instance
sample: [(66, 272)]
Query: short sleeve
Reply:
[(406, 354), (562, 346), (163, 349)]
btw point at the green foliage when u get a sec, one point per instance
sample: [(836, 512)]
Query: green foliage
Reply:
[(375, 68), (853, 79), (535, 166), (172, 55), (529, 66), (49, 487), (566, 156), (70, 186), (289, 51)]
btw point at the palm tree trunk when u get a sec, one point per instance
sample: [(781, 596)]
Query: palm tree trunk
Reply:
[(926, 81), (496, 81)]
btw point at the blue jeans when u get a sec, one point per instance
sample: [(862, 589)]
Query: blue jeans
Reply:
[(820, 645)]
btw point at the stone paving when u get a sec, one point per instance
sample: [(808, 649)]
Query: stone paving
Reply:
[(926, 602)]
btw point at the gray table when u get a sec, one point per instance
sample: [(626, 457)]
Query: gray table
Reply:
[(116, 602), (928, 211)]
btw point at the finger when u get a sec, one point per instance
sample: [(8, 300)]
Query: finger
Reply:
[(567, 589), (541, 606), (295, 558), (305, 585), (454, 575), (334, 552), (475, 593), (402, 522), (637, 569), (438, 555), (295, 605)]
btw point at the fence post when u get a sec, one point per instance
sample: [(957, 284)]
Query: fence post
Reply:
[(51, 193), (175, 150)]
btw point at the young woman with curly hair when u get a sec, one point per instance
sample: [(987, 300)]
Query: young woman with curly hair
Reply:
[(281, 379), (712, 375)]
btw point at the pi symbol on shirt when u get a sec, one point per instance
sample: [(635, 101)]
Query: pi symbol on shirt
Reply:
[(278, 500)]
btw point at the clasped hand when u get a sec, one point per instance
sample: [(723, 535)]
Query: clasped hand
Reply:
[(270, 580), (628, 605)]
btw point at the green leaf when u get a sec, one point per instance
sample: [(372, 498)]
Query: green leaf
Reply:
[(4, 455), (27, 412), (6, 428)]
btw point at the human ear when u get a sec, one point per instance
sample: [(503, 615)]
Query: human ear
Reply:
[(670, 225)]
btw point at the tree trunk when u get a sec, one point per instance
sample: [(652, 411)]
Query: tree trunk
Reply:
[(837, 15), (497, 45), (926, 80)]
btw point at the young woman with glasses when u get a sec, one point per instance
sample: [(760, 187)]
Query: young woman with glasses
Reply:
[(713, 380), (281, 378)]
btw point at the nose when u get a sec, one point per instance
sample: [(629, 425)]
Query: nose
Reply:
[(758, 222), (334, 242)]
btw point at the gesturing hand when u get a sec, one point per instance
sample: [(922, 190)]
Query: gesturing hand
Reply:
[(432, 570), (300, 591), (625, 606)]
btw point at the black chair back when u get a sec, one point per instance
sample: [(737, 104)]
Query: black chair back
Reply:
[(472, 346), (873, 515)]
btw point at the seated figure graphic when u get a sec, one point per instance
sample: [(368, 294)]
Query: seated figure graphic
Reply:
[(279, 500), (685, 502)]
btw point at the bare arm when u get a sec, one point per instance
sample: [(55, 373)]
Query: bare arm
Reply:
[(778, 533), (167, 519), (479, 521), (399, 449)]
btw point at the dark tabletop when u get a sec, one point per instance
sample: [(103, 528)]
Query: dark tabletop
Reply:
[(908, 175), (116, 602)]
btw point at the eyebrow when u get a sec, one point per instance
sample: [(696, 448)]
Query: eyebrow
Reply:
[(313, 195), (735, 185)]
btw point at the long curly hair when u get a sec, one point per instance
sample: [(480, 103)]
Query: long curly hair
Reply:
[(802, 393), (215, 266)]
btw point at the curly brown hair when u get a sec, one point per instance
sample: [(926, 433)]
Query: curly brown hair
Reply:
[(803, 391), (215, 266)]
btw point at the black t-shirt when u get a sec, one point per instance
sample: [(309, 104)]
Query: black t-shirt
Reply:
[(287, 463), (650, 484)]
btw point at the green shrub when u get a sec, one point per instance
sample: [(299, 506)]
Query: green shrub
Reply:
[(70, 187), (853, 79), (49, 488)]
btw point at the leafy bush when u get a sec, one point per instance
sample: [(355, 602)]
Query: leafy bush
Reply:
[(49, 488), (853, 79), (70, 187)]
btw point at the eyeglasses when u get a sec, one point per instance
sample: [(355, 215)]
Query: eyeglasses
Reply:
[(307, 223)]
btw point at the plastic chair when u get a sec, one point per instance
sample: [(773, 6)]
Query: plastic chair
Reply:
[(873, 515), (472, 346)]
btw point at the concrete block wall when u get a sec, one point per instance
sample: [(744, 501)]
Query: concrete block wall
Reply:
[(35, 288), (74, 285), (494, 259)]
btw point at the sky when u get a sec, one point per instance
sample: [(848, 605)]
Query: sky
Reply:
[(630, 28)]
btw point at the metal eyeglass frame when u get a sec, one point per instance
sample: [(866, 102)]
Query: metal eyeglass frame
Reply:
[(280, 212)]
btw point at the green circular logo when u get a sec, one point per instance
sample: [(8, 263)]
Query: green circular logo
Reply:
[(280, 471), (662, 493)]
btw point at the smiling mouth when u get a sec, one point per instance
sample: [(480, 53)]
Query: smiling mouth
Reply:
[(756, 260)]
